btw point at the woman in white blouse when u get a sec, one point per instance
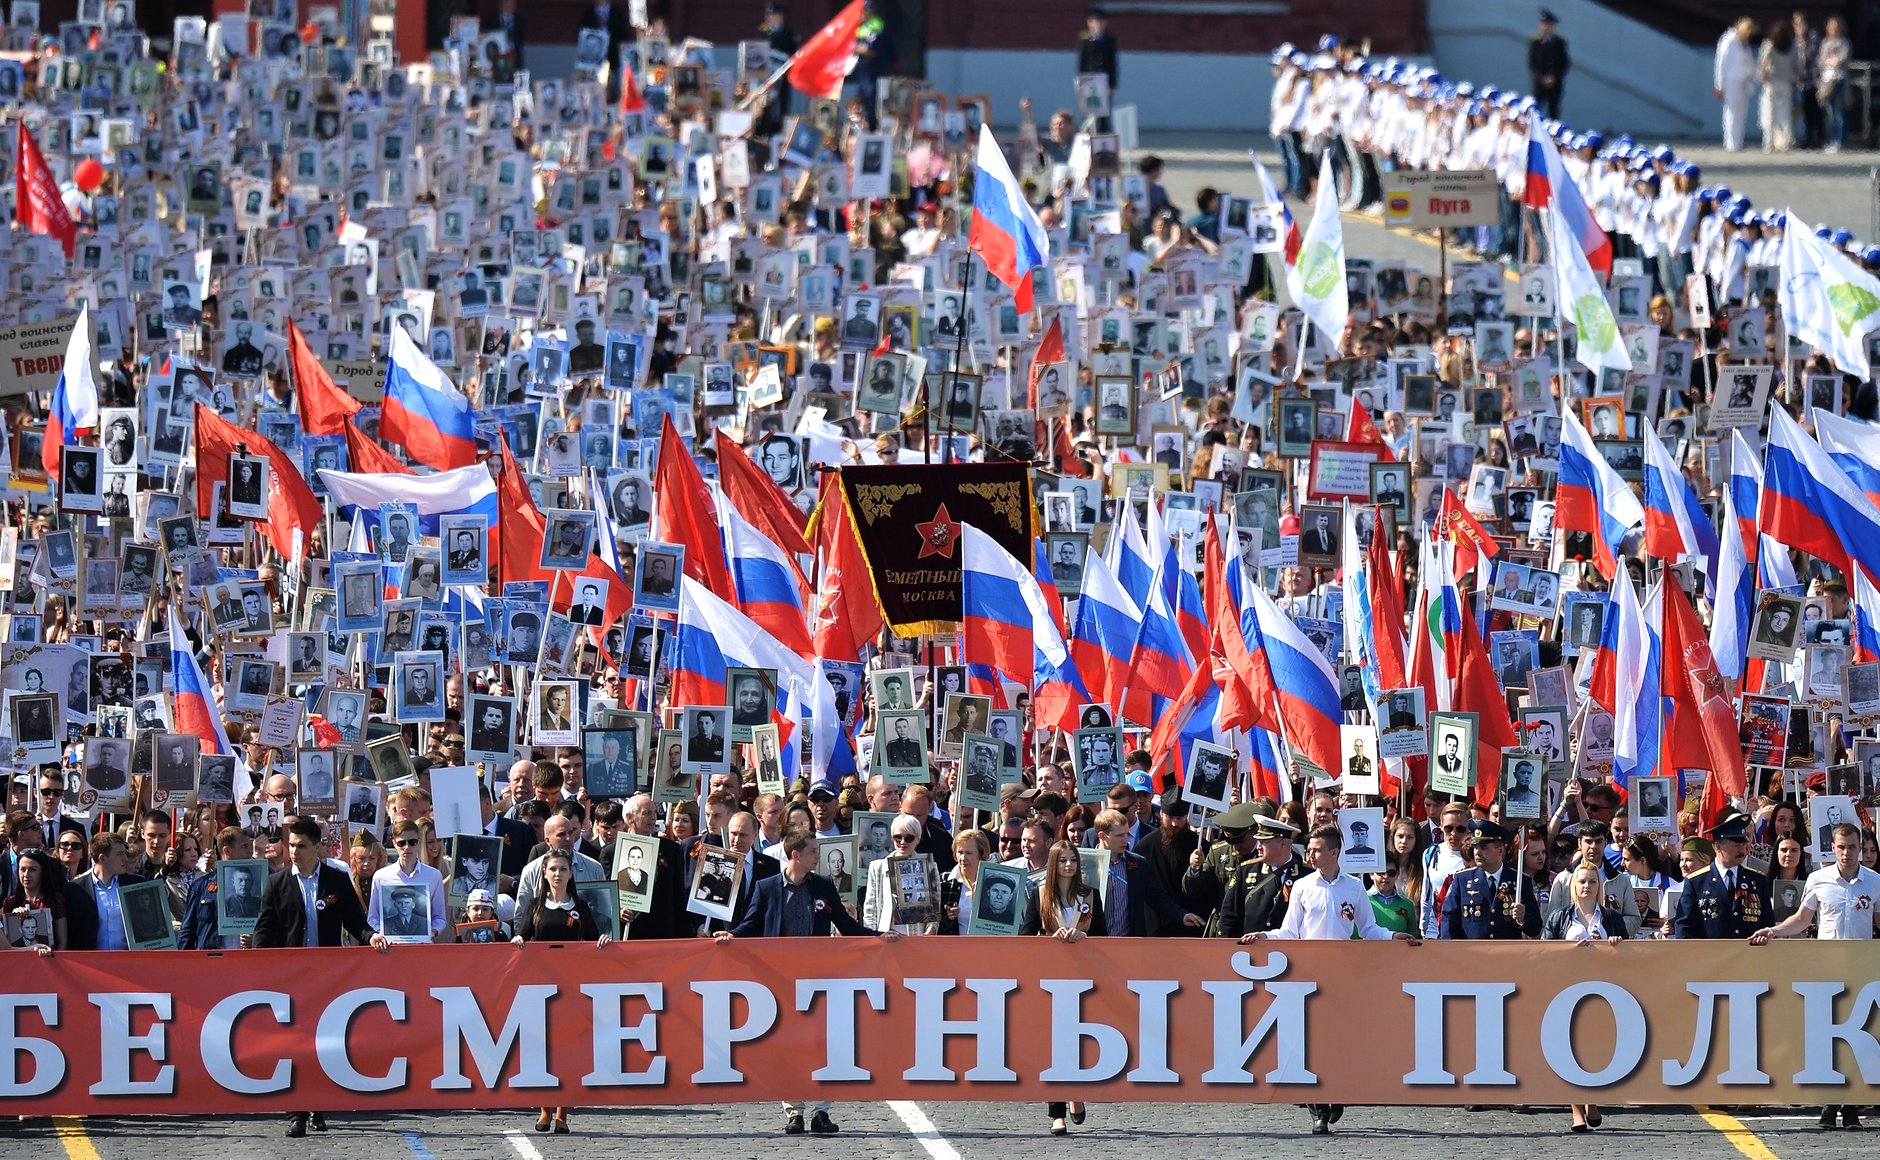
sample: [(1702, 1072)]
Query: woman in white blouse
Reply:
[(1585, 920)]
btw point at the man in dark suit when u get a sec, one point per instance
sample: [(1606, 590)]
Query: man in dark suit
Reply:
[(799, 903), (1319, 539), (613, 18), (310, 904), (1728, 899), (1490, 900), (93, 921)]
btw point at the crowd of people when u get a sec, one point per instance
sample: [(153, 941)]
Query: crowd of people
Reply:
[(249, 690)]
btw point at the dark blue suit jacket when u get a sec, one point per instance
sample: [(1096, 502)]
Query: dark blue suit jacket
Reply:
[(1707, 910), (1471, 909), (200, 930), (764, 915)]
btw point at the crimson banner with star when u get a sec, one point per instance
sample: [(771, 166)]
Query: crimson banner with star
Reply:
[(907, 522)]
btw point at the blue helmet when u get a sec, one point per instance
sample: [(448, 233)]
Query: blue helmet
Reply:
[(1842, 237), (1693, 170), (1824, 233), (1737, 214), (1778, 221), (1871, 255), (1663, 153), (1706, 194), (1328, 44), (1723, 193)]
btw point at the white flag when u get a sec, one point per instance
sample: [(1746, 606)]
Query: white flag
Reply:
[(1598, 344), (1317, 281), (1827, 301)]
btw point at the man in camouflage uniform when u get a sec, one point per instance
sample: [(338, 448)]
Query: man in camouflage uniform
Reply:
[(1262, 887), (1211, 867)]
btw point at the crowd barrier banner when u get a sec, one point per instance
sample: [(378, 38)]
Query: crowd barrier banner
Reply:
[(938, 1019)]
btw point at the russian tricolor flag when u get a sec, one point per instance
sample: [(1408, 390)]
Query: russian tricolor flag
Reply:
[(75, 398), (1270, 196), (1734, 599), (1127, 555), (1675, 523), (195, 710), (714, 636), (1810, 504), (1626, 680), (765, 579), (1590, 497), (1005, 231), (1866, 618), (422, 411), (1007, 620), (1548, 183), (1104, 635), (1294, 676), (1854, 447)]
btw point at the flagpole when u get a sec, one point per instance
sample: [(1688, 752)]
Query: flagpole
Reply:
[(959, 346)]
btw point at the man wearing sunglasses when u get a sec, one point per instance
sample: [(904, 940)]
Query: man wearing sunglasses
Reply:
[(1442, 862), (52, 818)]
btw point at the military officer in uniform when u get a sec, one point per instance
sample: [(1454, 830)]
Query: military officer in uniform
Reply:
[(1727, 900), (1490, 900), (1256, 899), (1211, 867)]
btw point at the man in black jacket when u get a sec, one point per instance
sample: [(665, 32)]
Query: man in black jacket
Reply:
[(310, 904), (1096, 48), (667, 917), (799, 903), (1548, 64)]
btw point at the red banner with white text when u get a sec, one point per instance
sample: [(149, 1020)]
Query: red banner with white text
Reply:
[(938, 1019)]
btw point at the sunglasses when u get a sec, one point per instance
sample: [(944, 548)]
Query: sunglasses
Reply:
[(71, 845), (899, 838), (1455, 829), (406, 842), (51, 791)]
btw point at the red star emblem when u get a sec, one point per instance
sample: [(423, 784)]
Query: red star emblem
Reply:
[(938, 535)]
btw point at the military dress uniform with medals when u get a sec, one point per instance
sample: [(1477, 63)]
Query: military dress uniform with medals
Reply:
[(1480, 905), (1723, 902), (1207, 887), (1259, 894)]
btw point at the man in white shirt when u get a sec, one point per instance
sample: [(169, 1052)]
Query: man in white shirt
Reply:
[(1329, 905), (1840, 901)]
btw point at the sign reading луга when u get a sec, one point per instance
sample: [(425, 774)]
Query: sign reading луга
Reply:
[(1422, 201), (907, 521)]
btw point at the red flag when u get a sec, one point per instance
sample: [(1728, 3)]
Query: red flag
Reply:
[(630, 99), (518, 547), (36, 196), (1384, 585), (1050, 350), (822, 64), (683, 512), (324, 407), (291, 503), (363, 455), (1361, 429), (1701, 731), (847, 616), (1239, 708), (759, 500), (1453, 522), (1478, 692)]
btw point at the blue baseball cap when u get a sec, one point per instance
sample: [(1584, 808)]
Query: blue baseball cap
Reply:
[(1139, 781)]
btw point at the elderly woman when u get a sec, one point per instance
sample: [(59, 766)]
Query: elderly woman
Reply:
[(878, 902)]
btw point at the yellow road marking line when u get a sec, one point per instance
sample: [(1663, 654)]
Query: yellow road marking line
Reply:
[(71, 1130), (1733, 1130)]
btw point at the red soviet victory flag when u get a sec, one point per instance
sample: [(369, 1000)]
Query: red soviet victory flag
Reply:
[(36, 194), (821, 65), (324, 407), (292, 506)]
